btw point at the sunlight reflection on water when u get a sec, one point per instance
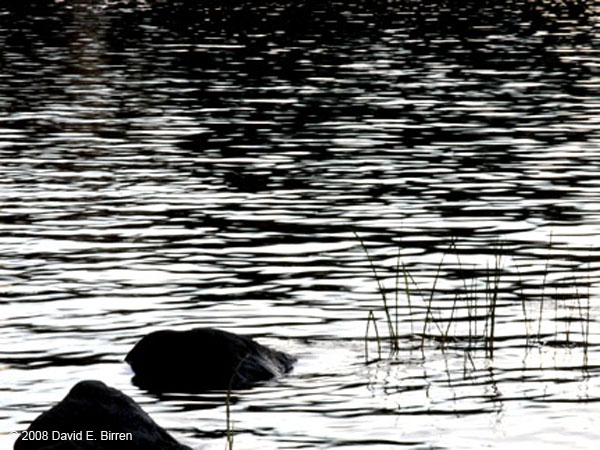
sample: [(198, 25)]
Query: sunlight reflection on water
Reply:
[(167, 166)]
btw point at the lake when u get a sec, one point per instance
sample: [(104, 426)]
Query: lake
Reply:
[(404, 194)]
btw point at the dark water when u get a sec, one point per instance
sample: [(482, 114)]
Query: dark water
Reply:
[(181, 164)]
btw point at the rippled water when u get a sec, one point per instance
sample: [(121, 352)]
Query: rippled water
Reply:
[(184, 164)]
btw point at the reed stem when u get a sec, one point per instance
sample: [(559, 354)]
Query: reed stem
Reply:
[(371, 317), (386, 309)]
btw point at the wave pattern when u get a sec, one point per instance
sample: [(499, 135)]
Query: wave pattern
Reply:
[(170, 165)]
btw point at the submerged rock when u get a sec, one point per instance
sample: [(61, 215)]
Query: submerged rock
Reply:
[(203, 359), (94, 416)]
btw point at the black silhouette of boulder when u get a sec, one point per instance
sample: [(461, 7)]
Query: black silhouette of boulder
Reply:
[(203, 359), (94, 416)]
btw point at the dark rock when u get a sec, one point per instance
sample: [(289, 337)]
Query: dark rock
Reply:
[(203, 359), (89, 411)]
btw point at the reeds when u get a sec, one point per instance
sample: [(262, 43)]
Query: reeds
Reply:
[(392, 332), (228, 421), (463, 325), (371, 319), (491, 292)]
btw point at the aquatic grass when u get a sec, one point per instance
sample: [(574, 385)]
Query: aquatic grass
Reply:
[(523, 303), (391, 331), (393, 323), (544, 287), (581, 318), (493, 288), (481, 291), (407, 293), (397, 289), (447, 332), (542, 297), (371, 318), (428, 311), (228, 421), (586, 337), (470, 299)]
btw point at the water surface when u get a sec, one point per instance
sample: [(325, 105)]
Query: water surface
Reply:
[(175, 165)]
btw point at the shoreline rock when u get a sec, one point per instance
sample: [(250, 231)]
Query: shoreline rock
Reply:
[(203, 359), (94, 416)]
